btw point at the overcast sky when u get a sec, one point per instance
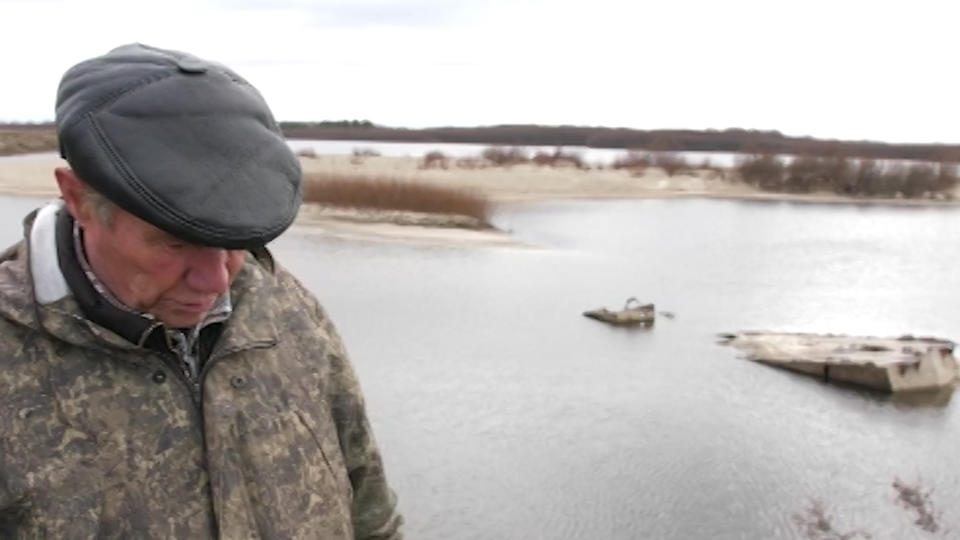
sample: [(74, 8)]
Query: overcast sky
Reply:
[(882, 70)]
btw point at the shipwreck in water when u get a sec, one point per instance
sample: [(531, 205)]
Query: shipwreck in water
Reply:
[(889, 364), (633, 314)]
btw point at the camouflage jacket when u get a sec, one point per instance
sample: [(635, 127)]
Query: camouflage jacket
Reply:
[(100, 438)]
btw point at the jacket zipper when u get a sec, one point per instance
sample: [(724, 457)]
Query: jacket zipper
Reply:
[(186, 361), (171, 362), (174, 364)]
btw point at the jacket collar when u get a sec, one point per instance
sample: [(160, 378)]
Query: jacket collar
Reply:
[(99, 307)]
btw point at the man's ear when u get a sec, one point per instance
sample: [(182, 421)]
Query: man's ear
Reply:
[(73, 191)]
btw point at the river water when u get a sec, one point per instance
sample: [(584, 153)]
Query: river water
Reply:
[(504, 414)]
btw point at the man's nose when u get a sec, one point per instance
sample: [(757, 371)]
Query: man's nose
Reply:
[(207, 271)]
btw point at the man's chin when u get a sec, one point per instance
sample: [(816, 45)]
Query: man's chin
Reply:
[(181, 318), (182, 315), (180, 322)]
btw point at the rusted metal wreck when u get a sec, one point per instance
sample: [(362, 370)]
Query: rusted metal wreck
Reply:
[(633, 314)]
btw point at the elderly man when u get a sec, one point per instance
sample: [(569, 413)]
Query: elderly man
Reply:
[(160, 375)]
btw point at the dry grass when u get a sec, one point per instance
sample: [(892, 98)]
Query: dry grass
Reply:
[(25, 140), (917, 501), (816, 524), (361, 192)]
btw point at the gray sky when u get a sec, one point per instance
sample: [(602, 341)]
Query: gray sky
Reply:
[(883, 70)]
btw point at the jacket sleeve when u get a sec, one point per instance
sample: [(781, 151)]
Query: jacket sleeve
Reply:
[(374, 510)]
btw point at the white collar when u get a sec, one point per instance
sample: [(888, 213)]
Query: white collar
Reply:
[(49, 285)]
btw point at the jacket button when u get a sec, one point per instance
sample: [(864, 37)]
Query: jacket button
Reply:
[(238, 381), (159, 377)]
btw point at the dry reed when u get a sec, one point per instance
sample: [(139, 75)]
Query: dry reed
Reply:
[(815, 523), (363, 192)]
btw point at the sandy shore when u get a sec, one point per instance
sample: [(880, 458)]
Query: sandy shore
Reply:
[(537, 183), (32, 175), (532, 182)]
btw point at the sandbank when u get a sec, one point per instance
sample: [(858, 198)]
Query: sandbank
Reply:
[(32, 175)]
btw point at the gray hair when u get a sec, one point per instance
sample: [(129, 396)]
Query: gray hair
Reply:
[(103, 208)]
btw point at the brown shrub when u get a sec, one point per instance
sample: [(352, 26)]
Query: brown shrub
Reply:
[(869, 177), (559, 158), (365, 152), (919, 180), (633, 160), (502, 157), (804, 174), (764, 171), (947, 176), (845, 176), (433, 159), (670, 163), (542, 159), (839, 174), (357, 191)]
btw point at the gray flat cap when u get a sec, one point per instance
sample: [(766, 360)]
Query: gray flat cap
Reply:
[(183, 143)]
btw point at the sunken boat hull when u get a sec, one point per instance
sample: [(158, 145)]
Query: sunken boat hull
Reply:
[(888, 364)]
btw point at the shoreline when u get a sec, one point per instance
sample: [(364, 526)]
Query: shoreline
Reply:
[(31, 175)]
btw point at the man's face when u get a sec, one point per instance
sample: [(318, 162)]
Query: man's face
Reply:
[(146, 268), (153, 272)]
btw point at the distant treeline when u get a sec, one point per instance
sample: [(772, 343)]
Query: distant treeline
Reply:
[(730, 140), (38, 126), (327, 124)]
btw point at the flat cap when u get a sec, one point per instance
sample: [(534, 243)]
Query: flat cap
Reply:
[(183, 143)]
